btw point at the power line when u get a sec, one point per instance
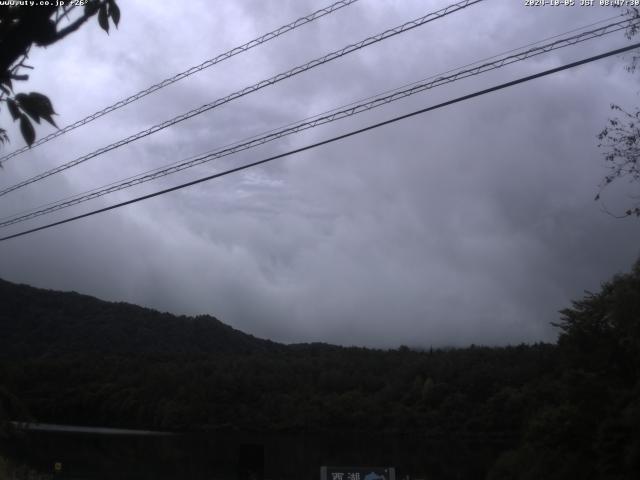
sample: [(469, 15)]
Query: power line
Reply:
[(257, 86), (303, 125), (355, 102), (331, 140), (190, 71), (331, 116)]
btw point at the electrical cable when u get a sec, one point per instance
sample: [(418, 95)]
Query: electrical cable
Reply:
[(255, 87), (333, 115), (190, 71), (330, 140)]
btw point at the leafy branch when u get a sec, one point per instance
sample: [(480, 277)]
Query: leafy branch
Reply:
[(24, 26), (621, 137)]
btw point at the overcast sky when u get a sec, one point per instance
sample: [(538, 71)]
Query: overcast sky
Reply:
[(470, 224)]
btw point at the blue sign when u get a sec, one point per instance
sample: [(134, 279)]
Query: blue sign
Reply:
[(357, 473)]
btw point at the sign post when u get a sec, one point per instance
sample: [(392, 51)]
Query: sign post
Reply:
[(357, 473)]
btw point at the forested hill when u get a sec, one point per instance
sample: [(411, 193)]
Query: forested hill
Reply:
[(529, 412), (42, 323)]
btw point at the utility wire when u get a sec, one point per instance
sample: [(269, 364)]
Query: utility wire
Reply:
[(485, 59), (168, 81), (331, 116), (247, 90), (317, 120), (355, 102), (39, 210), (332, 139)]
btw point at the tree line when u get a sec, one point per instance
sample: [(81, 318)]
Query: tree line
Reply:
[(565, 410)]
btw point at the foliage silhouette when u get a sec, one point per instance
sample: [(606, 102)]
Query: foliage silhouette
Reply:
[(621, 137), (23, 26), (570, 410)]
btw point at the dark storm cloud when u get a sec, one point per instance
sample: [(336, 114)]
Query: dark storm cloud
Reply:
[(471, 224)]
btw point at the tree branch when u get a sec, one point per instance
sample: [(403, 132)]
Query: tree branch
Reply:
[(70, 28)]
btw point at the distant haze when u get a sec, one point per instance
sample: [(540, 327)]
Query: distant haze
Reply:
[(470, 224)]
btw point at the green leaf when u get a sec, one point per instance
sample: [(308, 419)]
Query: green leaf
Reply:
[(103, 18), (42, 102), (13, 109), (27, 106), (48, 118), (37, 106), (28, 133), (114, 12), (91, 8)]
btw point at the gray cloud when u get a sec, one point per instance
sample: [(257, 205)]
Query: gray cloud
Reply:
[(470, 224)]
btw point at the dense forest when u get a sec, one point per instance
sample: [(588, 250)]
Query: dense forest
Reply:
[(567, 410)]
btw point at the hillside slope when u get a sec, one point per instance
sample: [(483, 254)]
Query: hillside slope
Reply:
[(570, 410), (36, 322)]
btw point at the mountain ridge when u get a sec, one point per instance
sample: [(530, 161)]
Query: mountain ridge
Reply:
[(38, 322)]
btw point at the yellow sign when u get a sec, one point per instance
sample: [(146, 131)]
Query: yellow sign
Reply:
[(57, 466)]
